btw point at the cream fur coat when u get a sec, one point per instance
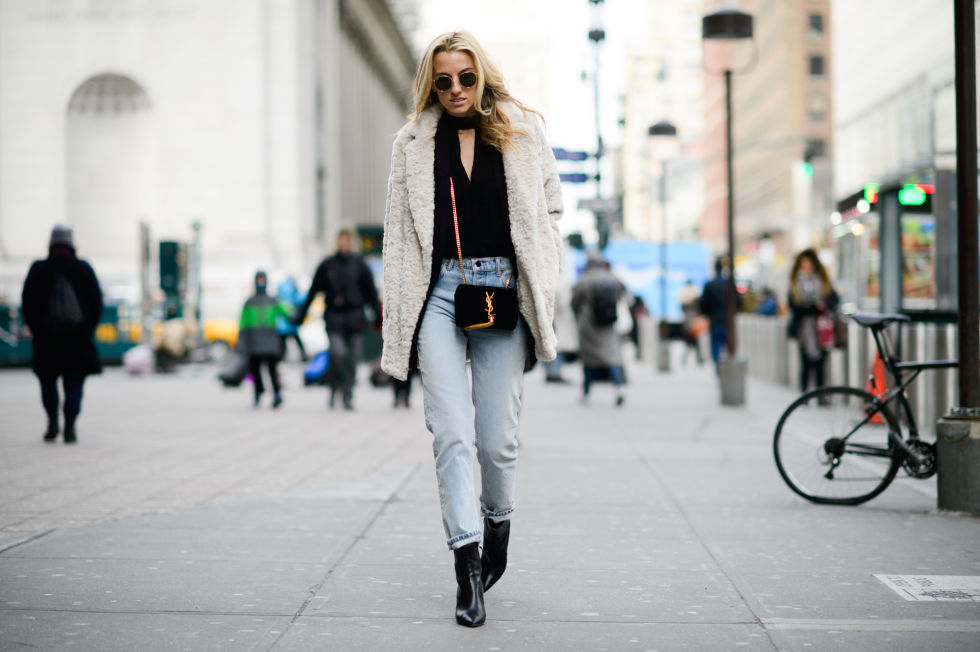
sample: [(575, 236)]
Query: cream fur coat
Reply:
[(535, 206)]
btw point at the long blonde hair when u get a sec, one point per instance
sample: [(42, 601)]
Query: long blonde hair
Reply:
[(495, 127)]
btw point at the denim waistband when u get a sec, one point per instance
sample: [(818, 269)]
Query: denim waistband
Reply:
[(498, 264)]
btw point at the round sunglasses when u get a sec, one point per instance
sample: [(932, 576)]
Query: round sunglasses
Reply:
[(445, 82)]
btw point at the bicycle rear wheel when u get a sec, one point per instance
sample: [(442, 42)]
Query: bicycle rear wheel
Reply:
[(829, 451)]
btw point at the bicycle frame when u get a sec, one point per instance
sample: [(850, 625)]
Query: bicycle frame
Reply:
[(898, 370)]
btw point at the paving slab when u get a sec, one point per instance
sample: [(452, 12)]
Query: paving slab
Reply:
[(661, 525), (420, 634), (112, 632)]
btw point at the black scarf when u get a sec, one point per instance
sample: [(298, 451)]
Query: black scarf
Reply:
[(447, 145)]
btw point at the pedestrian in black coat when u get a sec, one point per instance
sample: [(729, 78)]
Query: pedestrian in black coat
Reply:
[(714, 304), (348, 288), (62, 305)]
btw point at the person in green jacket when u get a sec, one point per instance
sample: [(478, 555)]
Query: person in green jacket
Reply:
[(258, 338)]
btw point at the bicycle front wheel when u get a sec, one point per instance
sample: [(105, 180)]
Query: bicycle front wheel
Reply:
[(832, 446)]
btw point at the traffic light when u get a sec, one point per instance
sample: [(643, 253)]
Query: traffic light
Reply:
[(871, 193), (173, 267), (371, 239), (173, 277), (915, 194)]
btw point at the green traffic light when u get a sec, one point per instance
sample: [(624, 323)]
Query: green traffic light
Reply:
[(912, 195)]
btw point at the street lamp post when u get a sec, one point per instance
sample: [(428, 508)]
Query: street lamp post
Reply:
[(597, 35), (729, 24), (660, 130), (958, 433)]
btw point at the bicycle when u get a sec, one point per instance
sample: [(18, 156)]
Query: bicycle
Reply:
[(842, 445)]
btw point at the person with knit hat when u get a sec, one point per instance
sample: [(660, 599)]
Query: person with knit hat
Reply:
[(62, 305)]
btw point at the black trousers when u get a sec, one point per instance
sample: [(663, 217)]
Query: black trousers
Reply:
[(283, 337), (810, 367), (72, 383), (255, 363), (345, 352), (402, 389)]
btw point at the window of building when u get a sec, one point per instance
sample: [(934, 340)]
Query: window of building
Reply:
[(817, 107), (815, 147), (816, 66), (815, 26)]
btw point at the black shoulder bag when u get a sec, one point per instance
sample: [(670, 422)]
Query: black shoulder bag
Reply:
[(481, 306)]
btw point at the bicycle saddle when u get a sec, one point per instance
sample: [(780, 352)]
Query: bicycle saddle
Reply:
[(878, 321)]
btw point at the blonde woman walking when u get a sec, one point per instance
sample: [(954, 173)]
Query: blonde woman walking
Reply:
[(473, 200)]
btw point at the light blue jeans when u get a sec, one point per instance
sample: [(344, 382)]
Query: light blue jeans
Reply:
[(459, 415)]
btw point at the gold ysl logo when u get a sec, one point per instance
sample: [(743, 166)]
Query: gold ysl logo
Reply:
[(490, 315)]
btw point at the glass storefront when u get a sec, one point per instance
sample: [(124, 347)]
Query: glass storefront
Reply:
[(858, 262), (918, 261)]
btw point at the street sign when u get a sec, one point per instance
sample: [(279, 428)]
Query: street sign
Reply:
[(564, 155), (573, 177), (600, 205)]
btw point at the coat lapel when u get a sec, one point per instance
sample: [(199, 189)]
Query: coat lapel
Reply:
[(420, 161)]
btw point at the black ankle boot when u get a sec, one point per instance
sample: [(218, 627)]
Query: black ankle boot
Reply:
[(496, 536), (51, 433), (470, 611)]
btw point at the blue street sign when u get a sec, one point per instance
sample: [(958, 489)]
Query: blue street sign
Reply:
[(573, 177), (565, 155)]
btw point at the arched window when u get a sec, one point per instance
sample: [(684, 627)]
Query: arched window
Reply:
[(110, 166), (109, 94)]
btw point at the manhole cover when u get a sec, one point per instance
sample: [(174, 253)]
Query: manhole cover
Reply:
[(934, 588)]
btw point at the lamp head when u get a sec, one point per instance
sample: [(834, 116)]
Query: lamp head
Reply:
[(726, 23), (662, 128)]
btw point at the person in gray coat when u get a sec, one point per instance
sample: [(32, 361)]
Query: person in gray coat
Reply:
[(594, 300)]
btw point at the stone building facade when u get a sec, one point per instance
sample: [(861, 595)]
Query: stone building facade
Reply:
[(782, 137), (268, 123)]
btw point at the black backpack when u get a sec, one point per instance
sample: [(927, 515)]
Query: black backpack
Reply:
[(605, 296), (64, 310)]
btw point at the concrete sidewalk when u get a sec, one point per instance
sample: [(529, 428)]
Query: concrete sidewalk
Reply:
[(185, 520)]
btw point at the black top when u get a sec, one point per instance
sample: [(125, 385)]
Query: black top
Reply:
[(481, 200)]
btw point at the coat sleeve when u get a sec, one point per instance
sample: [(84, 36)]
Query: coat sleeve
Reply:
[(369, 291), (29, 303), (705, 303), (316, 286), (833, 300), (397, 232), (552, 183), (96, 304)]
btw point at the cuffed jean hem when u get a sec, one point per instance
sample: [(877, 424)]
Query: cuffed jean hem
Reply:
[(464, 539), (498, 517)]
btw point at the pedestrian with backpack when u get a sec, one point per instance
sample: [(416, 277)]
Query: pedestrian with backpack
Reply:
[(258, 339), (595, 299), (62, 305)]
